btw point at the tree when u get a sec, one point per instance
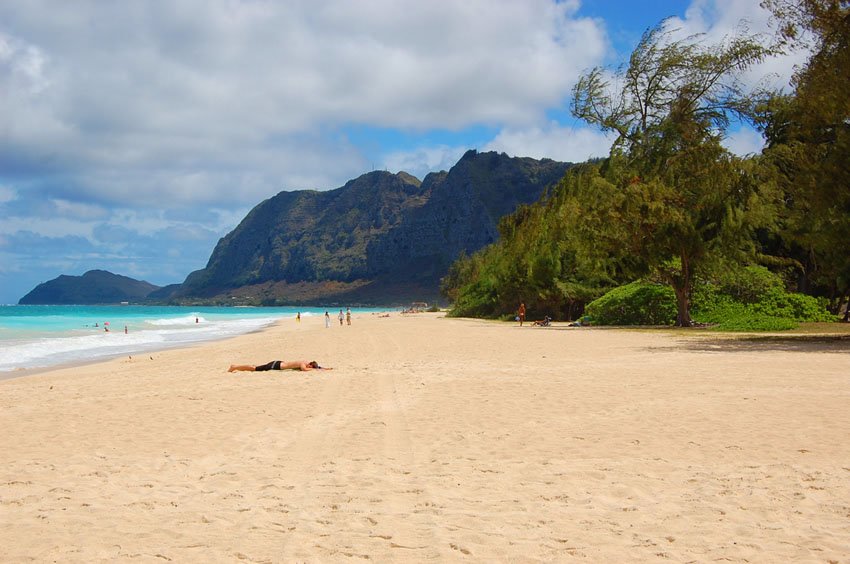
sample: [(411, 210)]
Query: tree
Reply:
[(532, 262), (676, 200), (808, 134)]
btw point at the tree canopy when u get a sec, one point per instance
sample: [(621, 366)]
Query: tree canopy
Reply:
[(670, 203), (808, 136), (683, 198)]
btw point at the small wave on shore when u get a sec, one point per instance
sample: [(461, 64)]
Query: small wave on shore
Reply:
[(94, 344), (45, 336)]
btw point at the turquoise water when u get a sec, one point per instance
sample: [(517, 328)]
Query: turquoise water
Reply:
[(44, 336)]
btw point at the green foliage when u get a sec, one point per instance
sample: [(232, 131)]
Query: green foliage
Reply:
[(472, 285), (679, 197), (749, 284), (671, 204), (800, 307), (753, 322), (743, 299), (808, 137), (533, 262), (754, 299), (637, 303)]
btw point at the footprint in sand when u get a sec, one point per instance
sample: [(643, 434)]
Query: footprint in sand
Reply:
[(459, 549)]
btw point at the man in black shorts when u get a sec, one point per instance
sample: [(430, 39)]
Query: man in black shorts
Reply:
[(302, 365)]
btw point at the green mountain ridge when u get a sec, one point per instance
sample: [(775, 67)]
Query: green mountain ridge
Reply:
[(93, 287), (381, 239)]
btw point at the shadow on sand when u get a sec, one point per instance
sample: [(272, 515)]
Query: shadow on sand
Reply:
[(770, 343)]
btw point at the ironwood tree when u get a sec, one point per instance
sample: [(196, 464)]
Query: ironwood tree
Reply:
[(675, 200), (808, 143)]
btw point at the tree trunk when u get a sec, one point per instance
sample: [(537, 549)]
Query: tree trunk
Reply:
[(683, 307), (682, 288)]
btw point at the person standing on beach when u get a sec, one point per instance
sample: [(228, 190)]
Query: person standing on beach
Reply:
[(348, 315), (341, 318), (298, 317), (327, 320), (521, 313)]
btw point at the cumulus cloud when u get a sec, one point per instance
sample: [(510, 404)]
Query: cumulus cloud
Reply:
[(116, 111), (159, 124), (211, 101), (720, 20), (745, 141), (419, 162), (553, 141), (7, 194)]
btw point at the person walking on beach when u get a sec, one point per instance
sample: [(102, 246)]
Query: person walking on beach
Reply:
[(341, 318), (327, 320), (521, 313), (298, 317), (301, 365), (348, 315)]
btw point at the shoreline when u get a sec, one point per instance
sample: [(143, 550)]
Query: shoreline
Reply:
[(434, 439), (840, 332), (15, 366), (23, 372)]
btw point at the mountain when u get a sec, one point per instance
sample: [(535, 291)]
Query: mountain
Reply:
[(380, 238), (93, 287)]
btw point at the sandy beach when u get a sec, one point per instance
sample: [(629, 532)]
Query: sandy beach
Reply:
[(435, 440)]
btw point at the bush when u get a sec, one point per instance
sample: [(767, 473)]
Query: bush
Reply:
[(792, 306), (637, 303), (475, 300), (749, 284), (753, 299), (755, 322), (749, 299)]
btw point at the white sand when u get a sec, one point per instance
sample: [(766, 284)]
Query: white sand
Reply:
[(434, 440)]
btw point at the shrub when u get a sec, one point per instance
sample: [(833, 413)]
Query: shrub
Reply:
[(753, 299), (792, 306), (749, 299), (755, 322), (749, 284), (637, 303)]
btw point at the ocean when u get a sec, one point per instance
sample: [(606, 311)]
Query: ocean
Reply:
[(43, 336)]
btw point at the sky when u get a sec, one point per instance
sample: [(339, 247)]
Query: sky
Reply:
[(135, 134)]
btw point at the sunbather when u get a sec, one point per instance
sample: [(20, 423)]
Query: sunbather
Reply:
[(301, 365)]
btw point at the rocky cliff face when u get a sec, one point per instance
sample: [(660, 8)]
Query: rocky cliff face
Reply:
[(461, 214), (380, 230), (308, 236)]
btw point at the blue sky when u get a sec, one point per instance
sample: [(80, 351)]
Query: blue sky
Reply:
[(133, 135)]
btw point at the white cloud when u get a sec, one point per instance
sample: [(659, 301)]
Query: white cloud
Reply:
[(219, 101), (49, 227), (7, 194), (720, 20), (745, 141), (419, 162), (78, 211), (553, 141)]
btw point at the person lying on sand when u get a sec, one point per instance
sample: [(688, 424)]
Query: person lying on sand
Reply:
[(301, 365)]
